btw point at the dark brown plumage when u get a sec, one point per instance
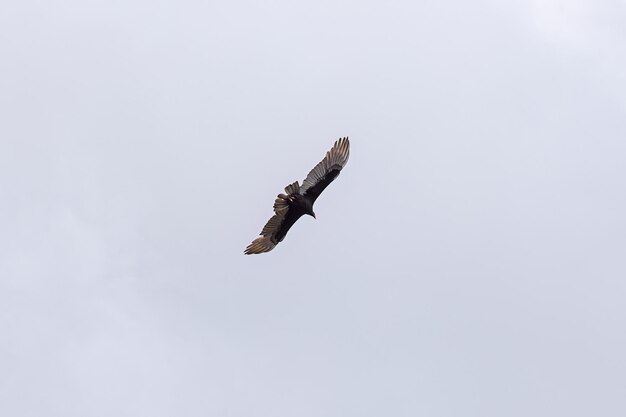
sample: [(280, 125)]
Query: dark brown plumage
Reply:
[(298, 200)]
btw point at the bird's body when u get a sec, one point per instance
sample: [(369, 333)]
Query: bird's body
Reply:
[(298, 207), (299, 200)]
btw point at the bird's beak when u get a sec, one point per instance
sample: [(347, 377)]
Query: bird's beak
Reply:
[(314, 216)]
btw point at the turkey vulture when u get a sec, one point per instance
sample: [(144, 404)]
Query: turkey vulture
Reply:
[(298, 201)]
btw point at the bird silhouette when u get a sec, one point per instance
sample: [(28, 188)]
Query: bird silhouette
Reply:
[(299, 199)]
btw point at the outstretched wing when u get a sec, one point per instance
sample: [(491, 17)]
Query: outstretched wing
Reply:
[(267, 241), (327, 170), (277, 226)]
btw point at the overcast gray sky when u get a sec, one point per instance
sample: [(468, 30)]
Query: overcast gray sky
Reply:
[(469, 261)]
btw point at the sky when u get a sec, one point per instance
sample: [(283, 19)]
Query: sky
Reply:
[(470, 260)]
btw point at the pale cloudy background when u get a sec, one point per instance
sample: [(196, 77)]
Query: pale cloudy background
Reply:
[(469, 261)]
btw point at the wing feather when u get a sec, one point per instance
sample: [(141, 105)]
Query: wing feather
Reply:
[(267, 241), (326, 170)]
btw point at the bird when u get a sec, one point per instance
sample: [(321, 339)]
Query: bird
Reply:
[(298, 199)]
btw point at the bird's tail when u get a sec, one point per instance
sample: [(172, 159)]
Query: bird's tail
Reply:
[(293, 188), (281, 202)]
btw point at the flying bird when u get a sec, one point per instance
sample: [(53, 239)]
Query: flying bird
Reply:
[(299, 199)]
